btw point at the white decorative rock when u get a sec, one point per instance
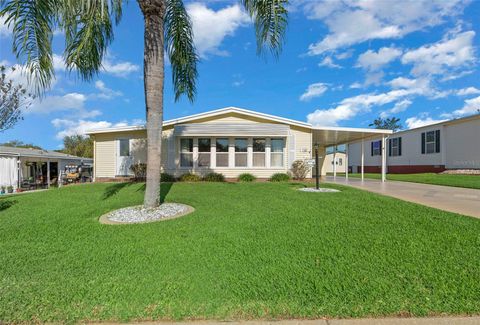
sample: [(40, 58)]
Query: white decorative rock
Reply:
[(320, 190), (139, 214)]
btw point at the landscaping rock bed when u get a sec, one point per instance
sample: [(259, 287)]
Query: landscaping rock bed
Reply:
[(139, 214), (320, 190), (462, 172)]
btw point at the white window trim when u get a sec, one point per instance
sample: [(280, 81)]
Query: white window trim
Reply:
[(427, 142), (231, 154)]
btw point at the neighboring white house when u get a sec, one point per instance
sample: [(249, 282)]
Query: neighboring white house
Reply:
[(453, 144), (230, 141), (40, 167)]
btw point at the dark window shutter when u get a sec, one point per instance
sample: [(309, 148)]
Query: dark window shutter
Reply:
[(400, 146), (390, 147), (437, 141), (371, 148), (423, 142)]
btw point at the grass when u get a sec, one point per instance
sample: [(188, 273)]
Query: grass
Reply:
[(468, 181), (249, 251)]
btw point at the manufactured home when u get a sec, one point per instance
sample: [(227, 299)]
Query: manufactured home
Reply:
[(230, 141), (453, 144)]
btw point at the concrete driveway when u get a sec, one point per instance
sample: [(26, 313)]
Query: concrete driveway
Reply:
[(454, 199)]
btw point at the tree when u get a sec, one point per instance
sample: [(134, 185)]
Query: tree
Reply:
[(78, 145), (88, 28), (13, 99), (20, 144), (392, 123)]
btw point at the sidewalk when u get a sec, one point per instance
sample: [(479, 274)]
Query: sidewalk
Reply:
[(453, 199)]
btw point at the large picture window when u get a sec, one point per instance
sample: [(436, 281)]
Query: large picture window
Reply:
[(204, 149), (186, 152), (241, 146), (259, 152), (222, 152), (276, 153)]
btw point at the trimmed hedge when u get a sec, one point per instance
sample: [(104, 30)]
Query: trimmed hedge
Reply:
[(189, 177), (280, 177), (214, 177), (167, 178), (246, 177)]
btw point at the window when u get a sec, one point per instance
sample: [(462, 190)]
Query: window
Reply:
[(204, 152), (340, 161), (276, 155), (431, 142), (222, 152), (241, 146), (124, 147), (376, 148), (395, 147), (258, 152), (186, 152)]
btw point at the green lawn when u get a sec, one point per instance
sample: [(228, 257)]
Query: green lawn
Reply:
[(469, 181), (248, 251)]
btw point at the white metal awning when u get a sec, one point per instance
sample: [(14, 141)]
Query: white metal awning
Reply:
[(232, 129), (330, 136)]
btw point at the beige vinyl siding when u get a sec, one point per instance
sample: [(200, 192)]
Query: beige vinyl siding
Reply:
[(303, 144), (104, 163)]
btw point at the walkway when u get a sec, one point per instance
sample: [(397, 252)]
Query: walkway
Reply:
[(454, 199)]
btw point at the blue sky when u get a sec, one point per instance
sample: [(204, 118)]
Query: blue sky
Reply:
[(344, 63)]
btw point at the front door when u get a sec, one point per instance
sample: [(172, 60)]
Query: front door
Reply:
[(124, 158)]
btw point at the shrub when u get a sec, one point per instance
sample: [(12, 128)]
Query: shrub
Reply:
[(214, 177), (300, 169), (139, 171), (246, 177), (189, 177), (167, 178), (280, 177)]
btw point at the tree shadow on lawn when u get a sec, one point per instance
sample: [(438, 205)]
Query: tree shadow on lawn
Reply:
[(113, 189), (4, 205)]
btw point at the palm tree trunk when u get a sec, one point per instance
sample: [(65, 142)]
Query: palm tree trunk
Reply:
[(153, 70)]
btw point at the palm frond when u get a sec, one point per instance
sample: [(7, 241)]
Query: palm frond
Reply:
[(88, 30), (270, 19), (181, 49), (33, 22)]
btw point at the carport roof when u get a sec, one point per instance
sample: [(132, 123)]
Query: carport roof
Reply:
[(329, 135)]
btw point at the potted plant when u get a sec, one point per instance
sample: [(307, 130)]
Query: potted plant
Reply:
[(2, 189), (10, 189)]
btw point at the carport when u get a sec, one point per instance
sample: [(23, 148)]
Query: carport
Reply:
[(334, 136)]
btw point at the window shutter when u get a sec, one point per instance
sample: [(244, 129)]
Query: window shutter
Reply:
[(400, 146), (437, 141), (423, 142), (390, 147), (371, 148)]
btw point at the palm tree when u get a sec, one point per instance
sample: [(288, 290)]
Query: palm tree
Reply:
[(88, 28)]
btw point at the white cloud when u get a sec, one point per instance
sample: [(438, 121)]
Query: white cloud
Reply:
[(471, 106), (55, 103), (352, 22), (328, 62), (421, 86), (74, 127), (416, 122), (399, 107), (350, 107), (314, 90), (210, 27), (119, 69), (453, 52), (5, 31), (105, 92), (468, 91), (371, 60)]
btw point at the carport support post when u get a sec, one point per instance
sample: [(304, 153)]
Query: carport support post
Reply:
[(362, 160), (346, 161), (48, 173), (317, 177), (335, 162), (384, 159)]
